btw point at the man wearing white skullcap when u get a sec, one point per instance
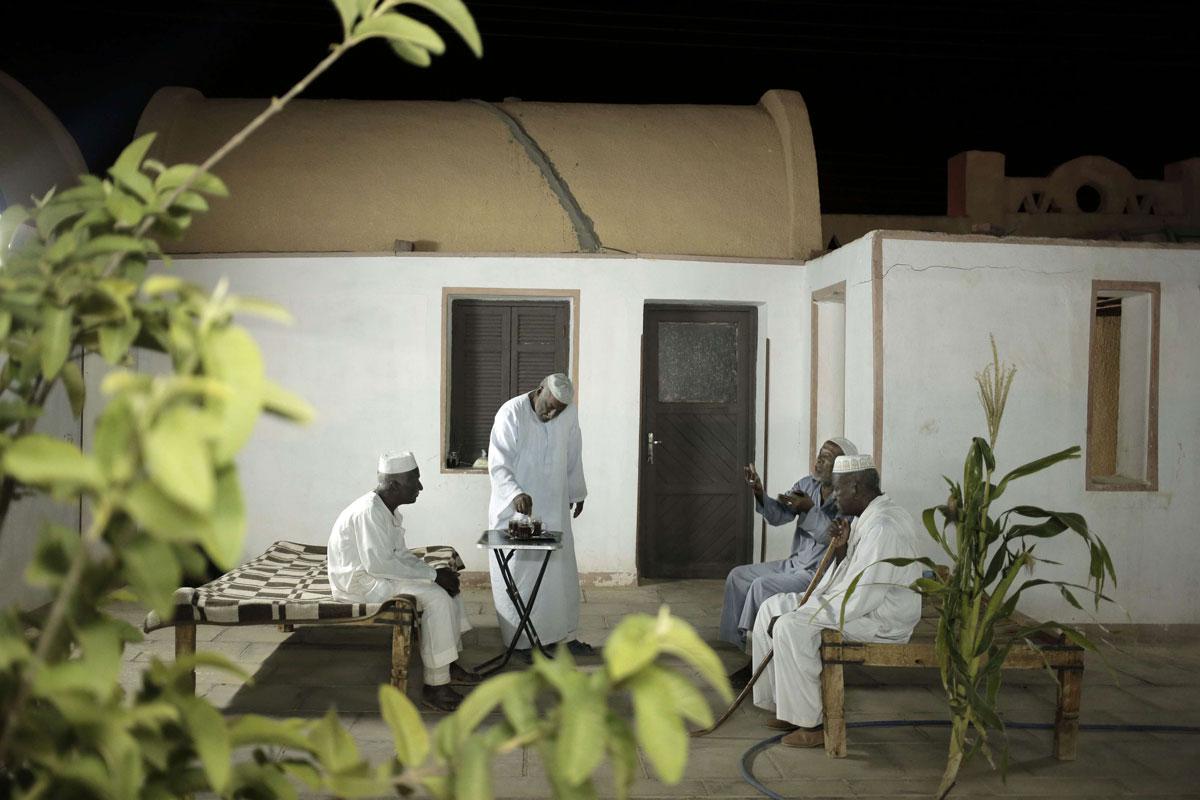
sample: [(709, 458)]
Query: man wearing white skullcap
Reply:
[(535, 460), (881, 609), (370, 563), (560, 388), (810, 503)]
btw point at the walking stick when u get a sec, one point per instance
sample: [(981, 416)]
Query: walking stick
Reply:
[(825, 559)]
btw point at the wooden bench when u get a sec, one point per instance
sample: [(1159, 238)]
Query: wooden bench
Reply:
[(1064, 658), (288, 585)]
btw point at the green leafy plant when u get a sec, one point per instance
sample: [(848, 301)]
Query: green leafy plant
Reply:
[(580, 725), (163, 491), (980, 587)]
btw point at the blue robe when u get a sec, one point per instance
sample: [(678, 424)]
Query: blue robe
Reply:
[(748, 586)]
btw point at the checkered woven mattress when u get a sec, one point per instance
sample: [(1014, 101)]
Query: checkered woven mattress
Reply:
[(288, 583)]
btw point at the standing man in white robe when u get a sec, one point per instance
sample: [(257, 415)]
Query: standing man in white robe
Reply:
[(370, 563), (535, 459), (882, 609)]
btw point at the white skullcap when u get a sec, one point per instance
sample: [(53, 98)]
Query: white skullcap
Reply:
[(853, 463), (394, 463), (848, 448), (560, 386)]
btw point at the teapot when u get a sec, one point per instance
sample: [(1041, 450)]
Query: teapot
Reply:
[(522, 526)]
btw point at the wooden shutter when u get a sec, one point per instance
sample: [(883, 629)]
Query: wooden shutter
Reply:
[(479, 377), (539, 344), (498, 350)]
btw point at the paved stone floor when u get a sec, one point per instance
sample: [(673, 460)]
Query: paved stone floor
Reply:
[(304, 673)]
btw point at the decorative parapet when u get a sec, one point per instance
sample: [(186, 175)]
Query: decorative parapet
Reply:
[(1086, 198), (1090, 186), (1093, 185)]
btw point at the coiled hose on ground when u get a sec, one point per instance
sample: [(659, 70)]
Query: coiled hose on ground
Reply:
[(749, 756)]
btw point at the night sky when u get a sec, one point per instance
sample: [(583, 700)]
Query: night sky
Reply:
[(893, 88)]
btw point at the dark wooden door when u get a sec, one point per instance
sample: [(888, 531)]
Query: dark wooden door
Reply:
[(697, 433)]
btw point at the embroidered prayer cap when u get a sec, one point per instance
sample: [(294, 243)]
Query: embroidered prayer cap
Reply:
[(848, 448), (854, 463), (391, 463), (560, 387)]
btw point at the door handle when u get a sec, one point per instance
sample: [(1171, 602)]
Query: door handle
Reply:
[(650, 442)]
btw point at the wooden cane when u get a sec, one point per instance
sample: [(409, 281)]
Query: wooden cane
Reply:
[(825, 559)]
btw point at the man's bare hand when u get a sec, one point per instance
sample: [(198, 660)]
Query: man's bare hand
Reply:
[(578, 509), (796, 503), (839, 536), (755, 482), (448, 580), (523, 504)]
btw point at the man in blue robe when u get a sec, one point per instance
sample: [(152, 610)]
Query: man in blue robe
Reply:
[(810, 503)]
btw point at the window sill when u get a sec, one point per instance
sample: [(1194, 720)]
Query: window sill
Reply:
[(464, 470), (1118, 483)]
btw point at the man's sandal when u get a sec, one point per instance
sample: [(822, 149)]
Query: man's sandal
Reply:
[(583, 649), (440, 698), (739, 679), (805, 737), (781, 725), (460, 676)]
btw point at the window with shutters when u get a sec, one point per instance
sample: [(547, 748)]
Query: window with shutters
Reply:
[(498, 349)]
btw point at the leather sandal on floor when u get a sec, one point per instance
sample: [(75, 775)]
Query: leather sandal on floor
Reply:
[(440, 698), (578, 648), (464, 677), (781, 725), (739, 679), (805, 737)]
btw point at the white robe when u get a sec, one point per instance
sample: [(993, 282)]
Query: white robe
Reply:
[(370, 563), (882, 609), (545, 461)]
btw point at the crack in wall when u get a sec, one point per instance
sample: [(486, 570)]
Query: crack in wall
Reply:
[(585, 231), (972, 268)]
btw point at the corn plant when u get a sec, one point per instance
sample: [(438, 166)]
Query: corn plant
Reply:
[(980, 587)]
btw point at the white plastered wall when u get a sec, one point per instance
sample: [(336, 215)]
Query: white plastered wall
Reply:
[(366, 351), (28, 515), (942, 297)]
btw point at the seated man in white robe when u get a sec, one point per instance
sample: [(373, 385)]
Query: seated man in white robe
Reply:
[(535, 460), (882, 608), (810, 503), (370, 563)]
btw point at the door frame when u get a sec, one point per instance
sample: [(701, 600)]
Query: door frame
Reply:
[(746, 551)]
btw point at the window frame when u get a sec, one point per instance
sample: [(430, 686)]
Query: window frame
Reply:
[(1092, 481), (501, 295)]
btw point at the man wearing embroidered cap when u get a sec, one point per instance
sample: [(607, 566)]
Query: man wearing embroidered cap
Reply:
[(810, 503), (881, 609), (370, 563), (535, 460)]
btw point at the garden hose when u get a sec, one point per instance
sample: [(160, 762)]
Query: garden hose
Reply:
[(752, 753)]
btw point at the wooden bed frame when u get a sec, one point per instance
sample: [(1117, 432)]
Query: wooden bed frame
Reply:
[(1047, 653), (288, 586), (403, 622)]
